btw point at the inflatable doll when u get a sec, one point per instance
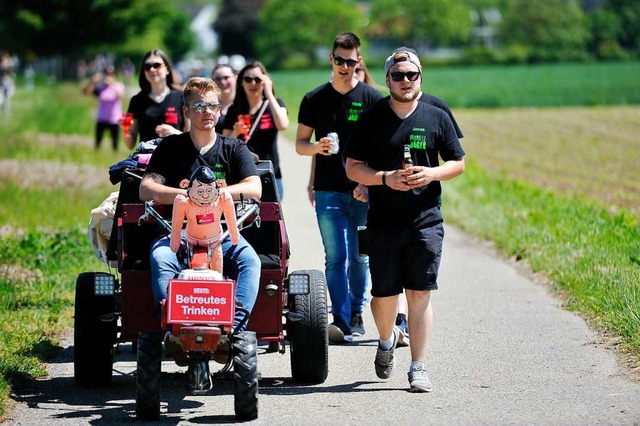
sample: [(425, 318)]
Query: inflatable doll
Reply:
[(203, 208)]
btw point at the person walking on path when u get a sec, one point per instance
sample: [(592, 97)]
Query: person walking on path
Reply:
[(401, 318), (157, 108), (268, 116), (340, 203), (109, 92), (404, 223)]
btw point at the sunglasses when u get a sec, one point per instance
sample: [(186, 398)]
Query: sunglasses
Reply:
[(359, 70), (153, 66), (248, 79), (201, 107), (221, 78), (399, 76), (341, 61)]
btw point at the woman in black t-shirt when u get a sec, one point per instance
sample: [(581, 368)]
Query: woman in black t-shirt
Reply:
[(157, 108), (268, 116)]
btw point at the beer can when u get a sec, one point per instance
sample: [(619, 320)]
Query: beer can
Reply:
[(335, 143)]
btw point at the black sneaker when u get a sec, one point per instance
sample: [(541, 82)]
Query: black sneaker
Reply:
[(339, 332), (357, 325)]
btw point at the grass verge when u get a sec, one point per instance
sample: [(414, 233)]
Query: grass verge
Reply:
[(591, 256)]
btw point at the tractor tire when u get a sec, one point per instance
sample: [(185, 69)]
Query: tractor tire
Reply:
[(245, 375), (149, 363), (93, 338), (308, 336)]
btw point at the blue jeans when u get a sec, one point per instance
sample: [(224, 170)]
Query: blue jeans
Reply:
[(339, 215), (239, 262)]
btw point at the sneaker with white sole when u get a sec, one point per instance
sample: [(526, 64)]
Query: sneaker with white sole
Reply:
[(339, 332), (419, 380), (357, 324), (385, 360)]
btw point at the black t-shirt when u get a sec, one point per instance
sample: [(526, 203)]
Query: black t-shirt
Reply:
[(326, 110), (438, 103), (264, 139), (176, 158), (378, 140), (151, 114)]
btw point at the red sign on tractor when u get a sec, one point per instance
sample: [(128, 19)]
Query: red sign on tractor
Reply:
[(201, 302)]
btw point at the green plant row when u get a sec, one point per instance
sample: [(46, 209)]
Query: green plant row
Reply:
[(592, 257)]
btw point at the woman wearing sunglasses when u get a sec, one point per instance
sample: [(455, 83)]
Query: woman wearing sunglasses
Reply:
[(268, 115), (157, 108)]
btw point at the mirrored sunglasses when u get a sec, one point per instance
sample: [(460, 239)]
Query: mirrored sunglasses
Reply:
[(201, 107)]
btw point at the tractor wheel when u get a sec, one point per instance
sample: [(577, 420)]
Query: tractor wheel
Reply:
[(245, 375), (148, 376), (308, 336), (93, 338)]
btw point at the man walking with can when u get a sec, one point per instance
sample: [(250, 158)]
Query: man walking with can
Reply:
[(404, 223), (340, 203)]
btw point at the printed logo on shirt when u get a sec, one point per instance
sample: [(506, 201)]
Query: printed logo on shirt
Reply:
[(354, 111), (266, 122), (418, 139), (218, 172), (171, 116), (205, 219)]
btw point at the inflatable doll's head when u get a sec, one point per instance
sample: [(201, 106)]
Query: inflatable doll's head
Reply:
[(203, 189)]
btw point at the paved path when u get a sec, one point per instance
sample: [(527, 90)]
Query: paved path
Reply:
[(503, 352)]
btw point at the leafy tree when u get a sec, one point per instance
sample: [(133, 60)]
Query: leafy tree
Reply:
[(438, 22), (548, 29), (293, 31), (236, 26), (628, 12), (73, 29)]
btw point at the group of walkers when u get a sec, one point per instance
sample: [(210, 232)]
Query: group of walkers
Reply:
[(377, 163)]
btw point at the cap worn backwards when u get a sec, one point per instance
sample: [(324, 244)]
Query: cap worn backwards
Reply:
[(402, 54)]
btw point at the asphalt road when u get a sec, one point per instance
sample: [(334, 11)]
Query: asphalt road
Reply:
[(503, 351)]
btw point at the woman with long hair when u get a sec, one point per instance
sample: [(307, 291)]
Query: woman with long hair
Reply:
[(268, 115), (157, 108)]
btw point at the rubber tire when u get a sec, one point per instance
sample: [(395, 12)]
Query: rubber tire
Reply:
[(245, 375), (149, 364), (309, 337), (93, 339)]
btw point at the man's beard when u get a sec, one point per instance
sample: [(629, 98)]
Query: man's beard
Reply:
[(405, 97)]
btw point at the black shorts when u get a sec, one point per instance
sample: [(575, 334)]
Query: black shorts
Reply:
[(404, 259)]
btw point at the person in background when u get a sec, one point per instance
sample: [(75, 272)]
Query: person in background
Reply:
[(363, 74), (340, 203), (7, 85), (109, 93), (404, 224), (157, 108), (268, 114), (226, 78)]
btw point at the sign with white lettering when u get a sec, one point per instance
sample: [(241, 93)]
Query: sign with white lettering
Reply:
[(201, 302)]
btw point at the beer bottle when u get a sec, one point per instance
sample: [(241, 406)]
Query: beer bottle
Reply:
[(406, 160)]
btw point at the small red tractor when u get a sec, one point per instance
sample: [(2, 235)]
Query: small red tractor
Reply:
[(116, 307)]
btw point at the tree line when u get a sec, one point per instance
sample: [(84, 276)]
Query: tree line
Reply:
[(286, 34)]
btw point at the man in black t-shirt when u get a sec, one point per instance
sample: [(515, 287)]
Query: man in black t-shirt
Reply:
[(404, 224), (175, 159), (340, 203)]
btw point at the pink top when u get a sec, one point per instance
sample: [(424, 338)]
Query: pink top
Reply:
[(110, 103)]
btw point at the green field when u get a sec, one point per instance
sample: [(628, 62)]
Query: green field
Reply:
[(552, 187)]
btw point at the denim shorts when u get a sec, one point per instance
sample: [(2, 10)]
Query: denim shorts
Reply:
[(404, 259)]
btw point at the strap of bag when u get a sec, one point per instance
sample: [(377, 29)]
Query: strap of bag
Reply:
[(257, 120)]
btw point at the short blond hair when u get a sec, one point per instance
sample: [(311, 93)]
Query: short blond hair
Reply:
[(199, 85)]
